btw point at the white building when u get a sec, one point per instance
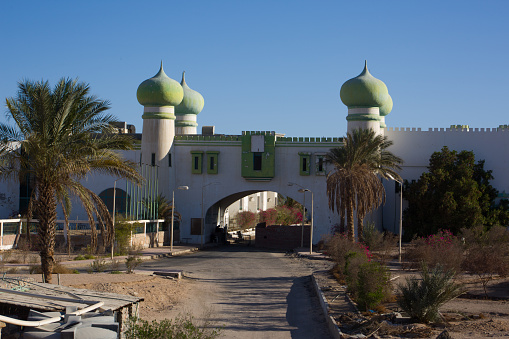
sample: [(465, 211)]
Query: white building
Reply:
[(220, 170)]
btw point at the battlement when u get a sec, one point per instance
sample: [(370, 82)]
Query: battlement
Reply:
[(271, 133), (216, 137), (309, 139), (453, 129)]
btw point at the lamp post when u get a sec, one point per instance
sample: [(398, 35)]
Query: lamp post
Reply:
[(304, 190), (184, 188), (113, 233), (400, 216), (202, 216)]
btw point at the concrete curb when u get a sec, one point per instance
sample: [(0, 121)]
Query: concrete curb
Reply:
[(331, 323)]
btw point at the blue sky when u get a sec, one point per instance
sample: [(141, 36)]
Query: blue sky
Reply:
[(271, 65)]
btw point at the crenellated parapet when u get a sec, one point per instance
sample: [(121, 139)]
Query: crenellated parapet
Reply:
[(452, 129)]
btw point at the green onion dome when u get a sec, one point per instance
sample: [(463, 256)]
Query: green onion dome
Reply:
[(364, 91), (386, 107), (193, 101), (160, 90)]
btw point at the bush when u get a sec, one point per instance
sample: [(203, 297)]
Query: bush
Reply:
[(373, 285), (98, 265), (131, 262), (182, 327), (337, 247), (123, 231), (421, 299), (379, 244), (487, 253), (79, 257), (268, 216), (288, 215), (246, 219), (442, 249)]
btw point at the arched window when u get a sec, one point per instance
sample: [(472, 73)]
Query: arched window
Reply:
[(121, 200)]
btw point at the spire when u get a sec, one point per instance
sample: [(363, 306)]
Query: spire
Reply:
[(183, 82)]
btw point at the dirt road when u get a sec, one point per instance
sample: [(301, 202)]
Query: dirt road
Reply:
[(250, 293)]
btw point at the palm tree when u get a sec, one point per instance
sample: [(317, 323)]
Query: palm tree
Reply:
[(354, 183), (61, 135)]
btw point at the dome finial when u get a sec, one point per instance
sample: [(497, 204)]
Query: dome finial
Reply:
[(183, 82), (365, 70)]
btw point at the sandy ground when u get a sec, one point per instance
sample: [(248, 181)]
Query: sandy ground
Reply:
[(467, 317)]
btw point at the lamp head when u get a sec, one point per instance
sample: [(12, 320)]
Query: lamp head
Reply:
[(184, 188)]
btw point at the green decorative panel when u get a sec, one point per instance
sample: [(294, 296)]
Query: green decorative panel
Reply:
[(320, 165), (258, 165), (304, 163), (212, 162), (196, 162)]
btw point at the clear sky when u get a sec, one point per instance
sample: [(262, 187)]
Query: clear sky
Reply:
[(271, 65)]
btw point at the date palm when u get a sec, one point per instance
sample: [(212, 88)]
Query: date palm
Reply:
[(59, 136), (354, 182)]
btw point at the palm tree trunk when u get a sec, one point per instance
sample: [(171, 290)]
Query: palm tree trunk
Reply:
[(47, 215), (350, 221), (360, 228), (342, 221)]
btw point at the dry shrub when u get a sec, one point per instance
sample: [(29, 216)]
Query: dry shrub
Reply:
[(442, 249), (487, 253), (338, 246), (380, 244)]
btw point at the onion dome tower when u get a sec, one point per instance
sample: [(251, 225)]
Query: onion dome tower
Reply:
[(188, 109), (367, 98), (159, 95)]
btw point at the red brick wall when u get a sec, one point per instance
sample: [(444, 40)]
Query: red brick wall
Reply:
[(281, 237)]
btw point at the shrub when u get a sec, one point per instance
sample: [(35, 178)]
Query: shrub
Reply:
[(131, 262), (268, 216), (442, 249), (246, 219), (337, 247), (98, 265), (373, 285), (181, 327), (379, 244), (288, 215), (79, 257), (421, 299), (487, 253)]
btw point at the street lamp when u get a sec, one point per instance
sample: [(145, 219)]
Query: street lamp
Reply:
[(400, 216), (184, 188), (202, 216), (113, 231), (304, 190)]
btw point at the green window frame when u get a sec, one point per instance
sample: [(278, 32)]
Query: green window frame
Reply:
[(320, 164), (196, 162), (304, 163), (212, 162)]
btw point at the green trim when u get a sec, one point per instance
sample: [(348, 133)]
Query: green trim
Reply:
[(158, 115), (212, 156), (305, 160), (186, 123), (363, 117), (196, 162)]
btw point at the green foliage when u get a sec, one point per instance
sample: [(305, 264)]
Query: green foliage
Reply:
[(182, 327), (98, 265), (454, 193), (373, 285), (422, 298), (123, 232), (79, 257), (288, 215), (246, 219)]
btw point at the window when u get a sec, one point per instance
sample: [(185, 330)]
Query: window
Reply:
[(320, 164), (169, 159), (153, 159), (257, 161), (304, 163), (212, 162), (196, 164)]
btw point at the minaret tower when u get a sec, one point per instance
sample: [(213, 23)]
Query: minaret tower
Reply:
[(368, 102), (188, 110), (159, 95)]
